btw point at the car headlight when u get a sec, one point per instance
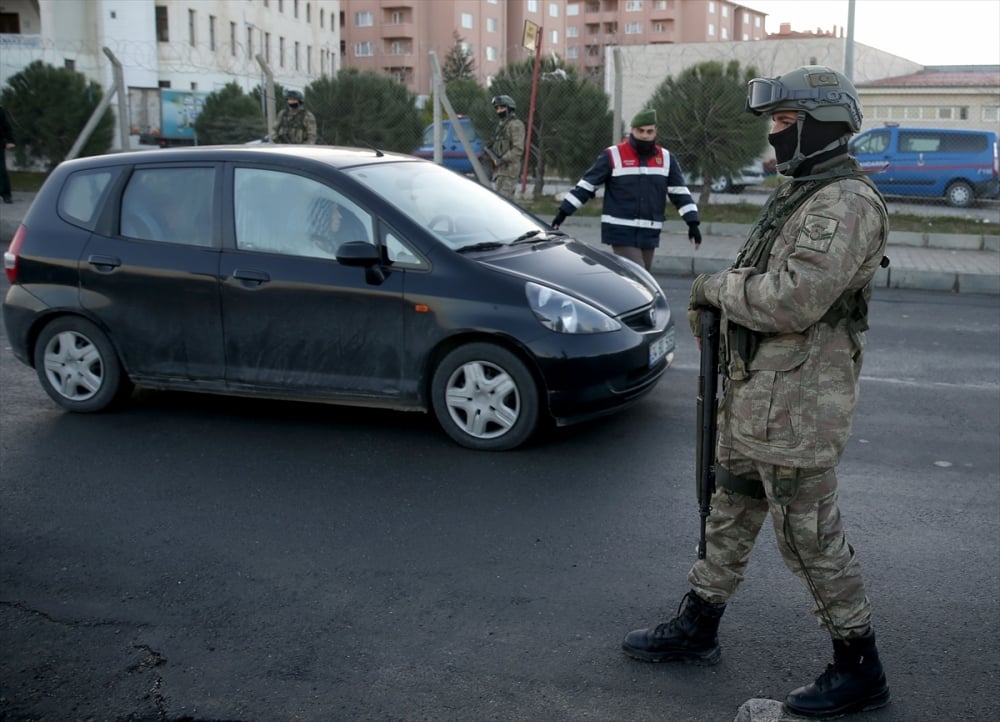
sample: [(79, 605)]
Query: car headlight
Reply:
[(564, 314)]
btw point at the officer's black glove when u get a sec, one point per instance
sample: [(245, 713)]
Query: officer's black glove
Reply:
[(694, 234), (557, 221)]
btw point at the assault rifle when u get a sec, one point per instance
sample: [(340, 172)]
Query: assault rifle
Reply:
[(708, 406), (493, 157)]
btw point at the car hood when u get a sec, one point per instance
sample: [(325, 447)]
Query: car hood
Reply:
[(593, 275)]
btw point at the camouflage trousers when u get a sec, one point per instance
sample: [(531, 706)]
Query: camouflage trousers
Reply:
[(810, 536), (506, 185)]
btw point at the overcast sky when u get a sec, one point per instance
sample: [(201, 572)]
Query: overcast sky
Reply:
[(929, 32)]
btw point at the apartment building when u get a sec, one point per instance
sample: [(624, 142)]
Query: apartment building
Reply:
[(397, 36), (173, 52)]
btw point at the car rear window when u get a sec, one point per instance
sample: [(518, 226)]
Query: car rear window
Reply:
[(83, 196)]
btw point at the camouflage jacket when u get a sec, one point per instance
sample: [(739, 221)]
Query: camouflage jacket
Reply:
[(508, 145), (797, 404), (295, 126)]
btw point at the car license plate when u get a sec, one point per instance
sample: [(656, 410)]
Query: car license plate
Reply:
[(659, 347)]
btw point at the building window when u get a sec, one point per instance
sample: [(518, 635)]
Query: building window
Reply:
[(211, 32), (633, 28), (711, 30), (725, 11), (281, 52), (309, 59), (398, 17), (553, 10), (555, 37), (746, 36), (192, 24), (397, 47), (491, 25), (659, 28), (467, 20), (364, 49), (746, 18), (232, 38), (267, 47), (633, 6), (572, 31), (725, 33), (756, 22), (308, 13), (572, 10), (532, 6), (573, 52), (69, 64), (364, 20), (281, 6), (491, 53), (297, 55), (913, 113), (991, 113), (295, 9), (322, 17), (162, 29), (250, 41), (711, 7)]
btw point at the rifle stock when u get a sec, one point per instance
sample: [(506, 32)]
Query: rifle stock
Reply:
[(708, 405)]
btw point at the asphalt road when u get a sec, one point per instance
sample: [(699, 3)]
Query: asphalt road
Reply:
[(200, 558)]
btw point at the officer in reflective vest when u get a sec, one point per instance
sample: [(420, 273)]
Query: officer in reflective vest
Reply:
[(638, 177)]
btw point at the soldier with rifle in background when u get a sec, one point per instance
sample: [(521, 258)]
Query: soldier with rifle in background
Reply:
[(793, 311), (294, 124)]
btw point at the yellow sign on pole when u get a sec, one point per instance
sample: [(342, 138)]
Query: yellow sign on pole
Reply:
[(530, 37)]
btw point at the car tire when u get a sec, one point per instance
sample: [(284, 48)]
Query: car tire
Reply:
[(722, 185), (485, 397), (78, 367), (960, 195)]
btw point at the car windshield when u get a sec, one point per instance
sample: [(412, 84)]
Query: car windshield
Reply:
[(460, 212)]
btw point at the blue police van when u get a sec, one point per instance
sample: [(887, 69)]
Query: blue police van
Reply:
[(957, 165), (453, 153)]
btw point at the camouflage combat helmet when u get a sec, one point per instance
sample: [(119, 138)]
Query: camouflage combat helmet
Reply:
[(818, 91), (504, 100), (297, 94)]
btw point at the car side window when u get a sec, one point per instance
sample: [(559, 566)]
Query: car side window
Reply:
[(279, 212), (170, 205), (82, 197)]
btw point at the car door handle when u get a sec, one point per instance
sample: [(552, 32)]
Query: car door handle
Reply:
[(104, 263), (251, 277)]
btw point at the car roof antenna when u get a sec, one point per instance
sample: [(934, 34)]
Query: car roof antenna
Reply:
[(378, 153)]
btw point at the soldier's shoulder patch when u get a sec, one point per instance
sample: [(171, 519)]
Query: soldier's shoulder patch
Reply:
[(817, 232)]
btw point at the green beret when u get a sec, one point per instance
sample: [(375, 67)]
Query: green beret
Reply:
[(644, 117)]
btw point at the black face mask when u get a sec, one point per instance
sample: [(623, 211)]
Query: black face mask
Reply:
[(784, 143), (502, 113), (293, 106), (642, 147)]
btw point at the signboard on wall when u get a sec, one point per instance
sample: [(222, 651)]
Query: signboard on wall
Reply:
[(178, 111)]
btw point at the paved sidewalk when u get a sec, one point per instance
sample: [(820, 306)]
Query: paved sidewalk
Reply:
[(931, 262)]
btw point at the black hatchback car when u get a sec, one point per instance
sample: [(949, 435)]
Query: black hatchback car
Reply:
[(326, 274)]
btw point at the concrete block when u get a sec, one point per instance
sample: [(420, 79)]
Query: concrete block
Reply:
[(881, 278), (672, 265), (728, 229), (991, 243), (924, 280), (955, 241), (709, 265), (979, 283), (905, 238)]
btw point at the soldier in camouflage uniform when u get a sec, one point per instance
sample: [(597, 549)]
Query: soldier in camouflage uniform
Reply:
[(507, 146), (295, 124), (793, 315)]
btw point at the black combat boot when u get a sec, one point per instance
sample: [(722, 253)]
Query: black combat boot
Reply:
[(853, 683), (691, 636)]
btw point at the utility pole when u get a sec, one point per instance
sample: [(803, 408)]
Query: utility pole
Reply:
[(849, 44)]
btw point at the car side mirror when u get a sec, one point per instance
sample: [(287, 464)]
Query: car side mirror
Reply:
[(358, 253)]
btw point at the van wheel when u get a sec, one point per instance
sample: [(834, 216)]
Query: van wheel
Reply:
[(959, 194), (78, 366), (485, 397)]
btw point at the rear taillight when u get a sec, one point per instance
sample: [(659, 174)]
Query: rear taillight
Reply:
[(11, 254)]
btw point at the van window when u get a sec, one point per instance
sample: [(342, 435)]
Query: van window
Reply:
[(924, 142), (874, 142)]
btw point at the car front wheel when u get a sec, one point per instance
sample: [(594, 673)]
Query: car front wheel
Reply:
[(78, 367), (485, 397)]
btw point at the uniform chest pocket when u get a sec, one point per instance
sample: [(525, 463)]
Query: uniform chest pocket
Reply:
[(769, 406)]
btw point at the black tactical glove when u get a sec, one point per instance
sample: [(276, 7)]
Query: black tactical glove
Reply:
[(694, 234), (557, 221)]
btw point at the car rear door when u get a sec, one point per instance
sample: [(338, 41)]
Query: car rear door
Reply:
[(151, 275), (295, 319)]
